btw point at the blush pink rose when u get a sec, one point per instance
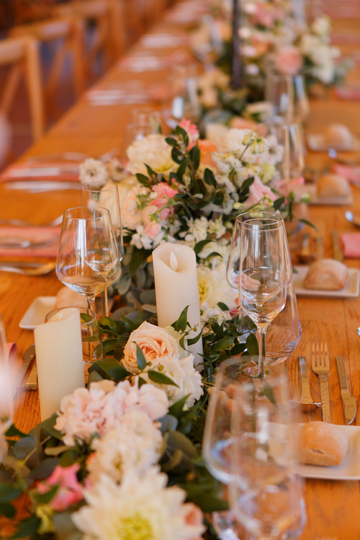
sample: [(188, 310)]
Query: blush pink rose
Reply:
[(194, 516), (155, 342), (69, 492), (164, 191), (288, 61), (257, 192)]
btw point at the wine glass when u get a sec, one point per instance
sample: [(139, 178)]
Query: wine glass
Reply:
[(133, 132), (106, 196), (265, 494), (262, 273), (217, 439), (88, 258), (287, 94), (146, 116), (289, 136)]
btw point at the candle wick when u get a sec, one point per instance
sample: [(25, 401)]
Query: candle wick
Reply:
[(173, 262)]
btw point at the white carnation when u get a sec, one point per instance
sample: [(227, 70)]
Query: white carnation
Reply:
[(135, 442), (140, 507), (214, 288), (93, 171)]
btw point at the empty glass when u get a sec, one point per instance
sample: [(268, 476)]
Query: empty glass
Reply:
[(289, 136), (288, 96), (88, 257), (266, 495), (133, 132), (90, 333), (184, 103), (146, 116)]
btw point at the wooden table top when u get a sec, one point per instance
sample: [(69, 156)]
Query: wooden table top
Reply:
[(332, 506)]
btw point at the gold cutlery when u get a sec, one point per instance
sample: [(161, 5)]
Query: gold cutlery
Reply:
[(306, 401), (320, 364), (337, 252), (306, 255), (348, 401)]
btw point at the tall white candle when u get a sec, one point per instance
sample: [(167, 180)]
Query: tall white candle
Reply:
[(59, 358), (176, 286)]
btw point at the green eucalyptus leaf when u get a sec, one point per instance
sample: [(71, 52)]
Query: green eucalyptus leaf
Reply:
[(175, 460), (192, 341), (141, 382), (278, 203), (13, 431), (86, 317), (107, 321), (7, 510), (45, 468), (224, 344), (308, 223), (160, 378), (223, 306), (8, 492), (177, 408), (252, 345), (171, 142), (200, 245), (181, 324), (48, 426), (45, 498), (140, 358), (168, 423), (209, 178), (26, 528), (143, 179)]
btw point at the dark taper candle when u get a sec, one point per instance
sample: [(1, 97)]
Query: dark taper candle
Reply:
[(235, 53)]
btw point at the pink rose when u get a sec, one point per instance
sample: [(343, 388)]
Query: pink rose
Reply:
[(154, 342), (286, 188), (191, 129), (194, 516), (69, 492), (257, 192), (164, 191), (288, 61)]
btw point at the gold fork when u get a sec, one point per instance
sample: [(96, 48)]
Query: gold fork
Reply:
[(320, 365)]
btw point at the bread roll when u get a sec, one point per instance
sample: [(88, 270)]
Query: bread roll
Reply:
[(322, 444), (338, 133), (326, 275), (333, 185), (67, 298)]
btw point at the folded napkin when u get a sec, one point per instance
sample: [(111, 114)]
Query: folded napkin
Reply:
[(12, 351), (351, 243), (34, 234), (63, 171), (350, 173), (347, 92), (150, 62)]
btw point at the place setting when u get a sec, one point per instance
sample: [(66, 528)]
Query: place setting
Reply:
[(179, 334)]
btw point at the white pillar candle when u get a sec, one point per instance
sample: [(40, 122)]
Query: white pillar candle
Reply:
[(59, 358), (176, 286)]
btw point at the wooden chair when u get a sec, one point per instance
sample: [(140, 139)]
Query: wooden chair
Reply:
[(68, 35), (22, 56), (108, 39)]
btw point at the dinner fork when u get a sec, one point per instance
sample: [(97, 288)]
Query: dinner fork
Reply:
[(320, 365)]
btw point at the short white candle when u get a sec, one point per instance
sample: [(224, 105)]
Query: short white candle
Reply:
[(59, 358), (176, 286)]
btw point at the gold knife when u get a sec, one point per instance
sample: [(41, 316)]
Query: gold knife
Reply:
[(348, 401), (337, 252)]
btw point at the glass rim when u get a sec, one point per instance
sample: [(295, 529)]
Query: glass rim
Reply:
[(102, 212), (90, 312), (87, 187), (263, 212), (274, 226)]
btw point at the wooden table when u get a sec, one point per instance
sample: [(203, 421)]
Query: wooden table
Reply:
[(333, 508)]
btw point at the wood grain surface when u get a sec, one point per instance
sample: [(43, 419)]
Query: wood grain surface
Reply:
[(333, 508)]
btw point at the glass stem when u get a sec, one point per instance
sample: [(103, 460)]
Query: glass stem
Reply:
[(105, 303), (261, 337), (91, 303)]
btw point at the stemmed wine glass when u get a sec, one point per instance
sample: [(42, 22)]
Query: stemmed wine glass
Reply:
[(105, 196), (287, 94), (265, 494), (262, 274), (284, 337), (88, 258), (221, 438)]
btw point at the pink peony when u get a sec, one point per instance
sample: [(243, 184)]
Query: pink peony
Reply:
[(83, 413), (258, 190), (149, 399), (69, 492), (288, 61), (285, 188), (194, 516), (191, 129)]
